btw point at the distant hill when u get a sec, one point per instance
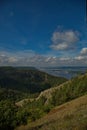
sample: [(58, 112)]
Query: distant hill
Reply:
[(28, 79)]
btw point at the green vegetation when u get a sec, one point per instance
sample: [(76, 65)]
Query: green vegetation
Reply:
[(69, 116), (21, 102), (27, 80), (12, 115), (18, 84), (70, 90), (7, 115), (12, 95)]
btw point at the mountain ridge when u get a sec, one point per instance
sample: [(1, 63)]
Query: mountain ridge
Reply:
[(48, 93)]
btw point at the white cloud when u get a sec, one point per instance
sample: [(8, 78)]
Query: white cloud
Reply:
[(50, 59), (63, 40), (84, 51), (30, 58), (62, 46), (65, 58), (79, 58), (12, 59)]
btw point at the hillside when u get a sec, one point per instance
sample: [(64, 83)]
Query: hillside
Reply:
[(27, 79), (47, 94), (65, 116), (36, 112), (14, 95), (66, 91), (69, 116), (17, 83)]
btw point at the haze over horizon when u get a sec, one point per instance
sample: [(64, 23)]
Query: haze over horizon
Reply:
[(43, 33)]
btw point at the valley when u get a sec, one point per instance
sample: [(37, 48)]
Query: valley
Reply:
[(31, 99)]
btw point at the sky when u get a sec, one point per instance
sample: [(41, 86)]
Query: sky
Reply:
[(43, 33)]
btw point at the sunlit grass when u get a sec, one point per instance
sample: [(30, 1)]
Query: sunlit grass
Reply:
[(69, 116)]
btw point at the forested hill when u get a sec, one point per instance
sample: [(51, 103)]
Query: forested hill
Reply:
[(27, 79)]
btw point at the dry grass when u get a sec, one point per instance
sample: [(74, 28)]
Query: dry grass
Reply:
[(69, 116)]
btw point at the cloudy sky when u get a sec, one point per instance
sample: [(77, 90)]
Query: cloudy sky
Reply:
[(43, 33)]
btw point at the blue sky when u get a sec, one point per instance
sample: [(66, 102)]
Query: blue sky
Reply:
[(43, 32)]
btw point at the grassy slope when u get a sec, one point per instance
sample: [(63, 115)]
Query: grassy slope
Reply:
[(69, 116)]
